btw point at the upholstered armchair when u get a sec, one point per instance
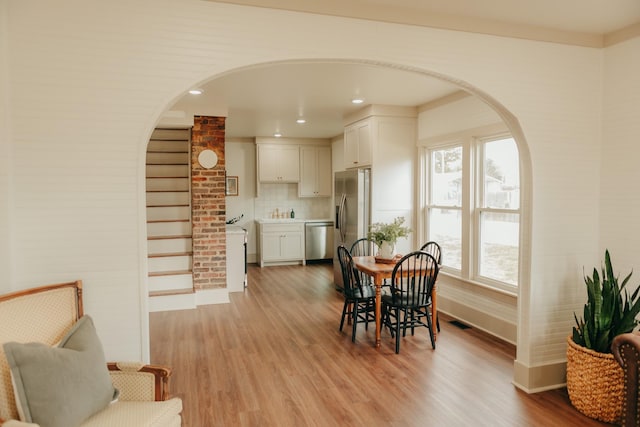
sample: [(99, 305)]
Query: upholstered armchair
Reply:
[(53, 372), (626, 350)]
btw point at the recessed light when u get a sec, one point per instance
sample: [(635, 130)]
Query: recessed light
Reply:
[(277, 134), (195, 91), (357, 101), (301, 121)]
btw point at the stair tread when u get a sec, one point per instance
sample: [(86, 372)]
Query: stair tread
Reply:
[(170, 292), (153, 221), (167, 177), (169, 237), (170, 254), (169, 273), (181, 205)]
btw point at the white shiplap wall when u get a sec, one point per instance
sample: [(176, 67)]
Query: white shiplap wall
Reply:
[(620, 198), (90, 79), (5, 163)]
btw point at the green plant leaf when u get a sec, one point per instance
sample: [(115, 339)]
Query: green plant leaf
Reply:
[(609, 311)]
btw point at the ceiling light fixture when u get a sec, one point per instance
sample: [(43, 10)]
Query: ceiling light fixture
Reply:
[(277, 134), (357, 101), (301, 121), (195, 91)]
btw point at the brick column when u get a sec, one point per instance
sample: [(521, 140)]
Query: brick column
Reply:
[(208, 208)]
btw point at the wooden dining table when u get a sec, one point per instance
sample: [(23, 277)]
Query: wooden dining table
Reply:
[(380, 271)]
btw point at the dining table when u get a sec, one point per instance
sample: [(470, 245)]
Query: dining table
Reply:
[(379, 271)]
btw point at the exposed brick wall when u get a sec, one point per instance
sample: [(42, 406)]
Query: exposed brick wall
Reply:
[(208, 209)]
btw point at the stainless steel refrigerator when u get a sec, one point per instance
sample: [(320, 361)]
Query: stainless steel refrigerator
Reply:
[(353, 211)]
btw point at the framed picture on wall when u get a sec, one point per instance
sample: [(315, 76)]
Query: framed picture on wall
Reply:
[(231, 187)]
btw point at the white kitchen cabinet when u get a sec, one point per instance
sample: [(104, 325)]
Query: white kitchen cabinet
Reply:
[(278, 163), (357, 144), (315, 172), (281, 243)]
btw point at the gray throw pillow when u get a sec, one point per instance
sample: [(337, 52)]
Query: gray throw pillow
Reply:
[(61, 386)]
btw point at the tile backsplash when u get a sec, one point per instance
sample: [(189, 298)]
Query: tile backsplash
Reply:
[(284, 197)]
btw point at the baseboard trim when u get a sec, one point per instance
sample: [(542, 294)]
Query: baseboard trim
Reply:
[(188, 301), (535, 379), (485, 322), (171, 302), (212, 296)]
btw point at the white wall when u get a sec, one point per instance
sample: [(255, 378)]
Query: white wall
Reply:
[(5, 160), (619, 196), (90, 79), (466, 112), (393, 172)]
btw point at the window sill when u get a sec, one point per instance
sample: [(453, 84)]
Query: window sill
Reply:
[(512, 294)]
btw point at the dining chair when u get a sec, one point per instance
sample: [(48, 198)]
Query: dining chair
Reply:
[(360, 297), (434, 249), (364, 247), (409, 303)]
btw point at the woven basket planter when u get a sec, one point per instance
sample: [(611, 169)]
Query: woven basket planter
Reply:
[(595, 383)]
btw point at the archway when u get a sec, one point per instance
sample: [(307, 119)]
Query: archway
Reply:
[(511, 123)]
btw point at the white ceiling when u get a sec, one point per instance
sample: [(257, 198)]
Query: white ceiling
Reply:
[(264, 100)]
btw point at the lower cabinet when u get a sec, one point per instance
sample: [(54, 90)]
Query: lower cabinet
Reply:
[(281, 243)]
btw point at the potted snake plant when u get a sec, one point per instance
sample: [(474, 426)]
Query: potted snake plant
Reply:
[(594, 378)]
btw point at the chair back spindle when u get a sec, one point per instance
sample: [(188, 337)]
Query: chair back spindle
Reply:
[(433, 249)]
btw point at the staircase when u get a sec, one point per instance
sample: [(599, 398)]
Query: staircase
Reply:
[(169, 240)]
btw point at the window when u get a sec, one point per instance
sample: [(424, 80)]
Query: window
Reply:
[(445, 209), (473, 207)]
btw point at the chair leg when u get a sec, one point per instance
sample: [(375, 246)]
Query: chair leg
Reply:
[(413, 323), (430, 324), (405, 321), (344, 312), (354, 310), (437, 322), (397, 330), (366, 316), (386, 319)]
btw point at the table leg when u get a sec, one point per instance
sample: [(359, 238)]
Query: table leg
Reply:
[(434, 312), (378, 283)]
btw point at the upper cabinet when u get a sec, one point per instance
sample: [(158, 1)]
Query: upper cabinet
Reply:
[(357, 144), (278, 163), (315, 172)]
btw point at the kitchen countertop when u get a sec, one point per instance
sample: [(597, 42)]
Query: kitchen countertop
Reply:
[(289, 220), (234, 229)]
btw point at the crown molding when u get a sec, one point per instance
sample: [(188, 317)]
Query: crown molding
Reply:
[(412, 16)]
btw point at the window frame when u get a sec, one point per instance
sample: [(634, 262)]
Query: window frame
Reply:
[(472, 143)]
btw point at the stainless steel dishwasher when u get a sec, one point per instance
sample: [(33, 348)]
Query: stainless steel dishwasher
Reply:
[(318, 239)]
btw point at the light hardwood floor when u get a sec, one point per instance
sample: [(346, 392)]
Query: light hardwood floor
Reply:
[(274, 357)]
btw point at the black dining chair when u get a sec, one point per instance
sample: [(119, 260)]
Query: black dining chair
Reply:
[(409, 304), (434, 249), (360, 297), (364, 247)]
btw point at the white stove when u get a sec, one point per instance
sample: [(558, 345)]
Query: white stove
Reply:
[(236, 258)]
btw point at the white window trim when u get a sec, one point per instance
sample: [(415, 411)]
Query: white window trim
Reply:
[(469, 140)]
